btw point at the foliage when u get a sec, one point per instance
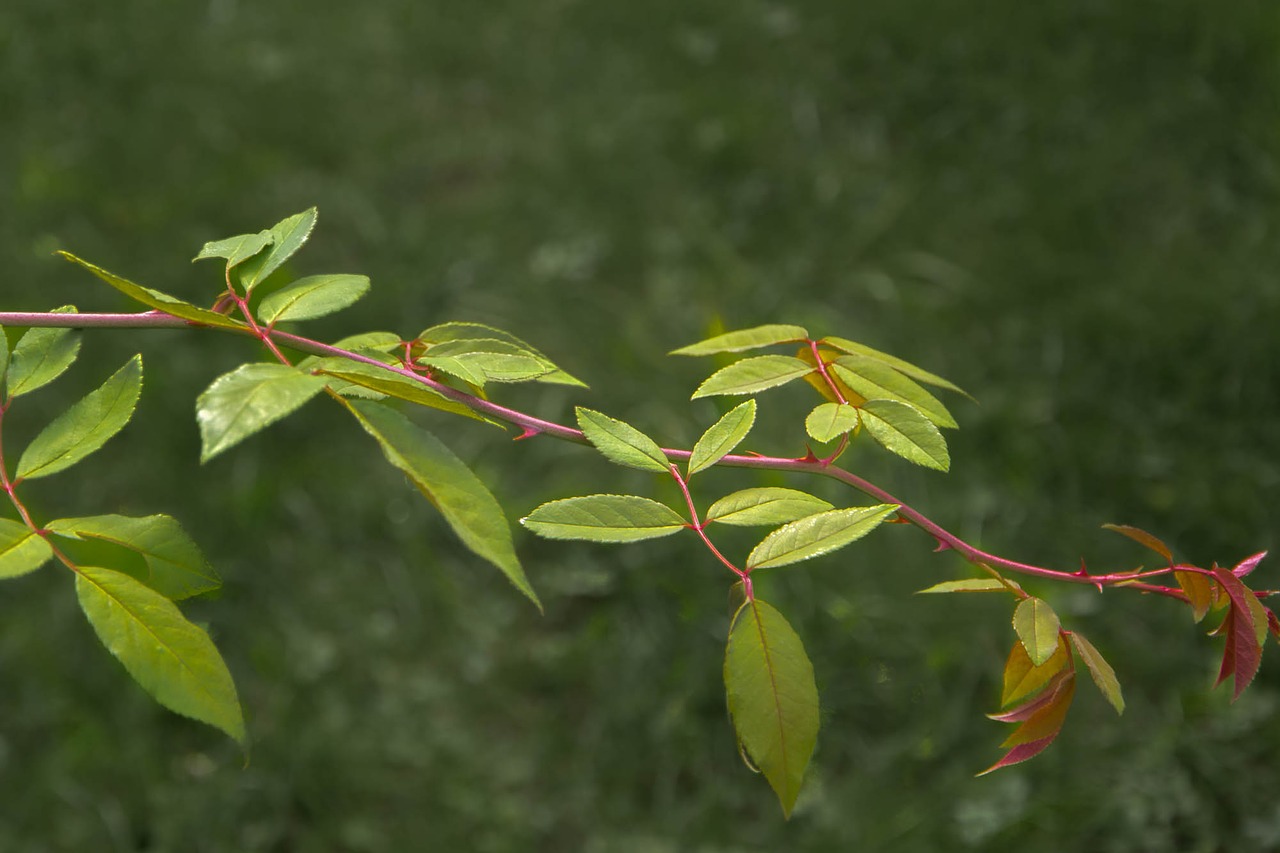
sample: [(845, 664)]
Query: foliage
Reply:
[(772, 694)]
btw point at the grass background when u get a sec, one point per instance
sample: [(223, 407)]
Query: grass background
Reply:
[(1069, 208)]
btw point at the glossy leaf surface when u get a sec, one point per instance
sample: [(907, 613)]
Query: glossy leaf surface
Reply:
[(765, 506), (817, 534), (236, 250), (462, 330), (287, 237), (772, 696), (829, 421), (901, 429), (1037, 627), (722, 437), (874, 380), (753, 374), (86, 426), (157, 300), (312, 297), (604, 518), (251, 397)]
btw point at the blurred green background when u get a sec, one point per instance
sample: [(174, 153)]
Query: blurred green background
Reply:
[(1069, 208)]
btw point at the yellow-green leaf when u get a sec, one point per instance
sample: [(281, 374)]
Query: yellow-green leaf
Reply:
[(21, 550), (723, 436), (745, 339), (247, 399), (903, 430), (817, 534), (829, 421), (621, 443), (604, 518), (1103, 675), (1037, 627), (750, 375), (764, 506)]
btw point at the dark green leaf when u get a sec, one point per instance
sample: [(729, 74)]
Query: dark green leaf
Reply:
[(604, 518), (41, 356), (157, 300), (1103, 675), (173, 659), (86, 426), (896, 363), (817, 534), (829, 421), (753, 374), (745, 339), (875, 380), (312, 297), (21, 550), (621, 443), (469, 508), (175, 566), (906, 432), (288, 236), (765, 506), (1037, 627), (251, 397), (772, 697), (723, 436)]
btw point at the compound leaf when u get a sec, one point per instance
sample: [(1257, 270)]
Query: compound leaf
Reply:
[(766, 505), (460, 496), (875, 380), (175, 566), (621, 443), (253, 396), (21, 550), (604, 518), (817, 534), (901, 429), (772, 697), (312, 297), (41, 356), (173, 659), (750, 375), (745, 339), (723, 436), (86, 426), (1037, 627)]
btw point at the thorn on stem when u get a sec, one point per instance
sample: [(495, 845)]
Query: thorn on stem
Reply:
[(529, 432)]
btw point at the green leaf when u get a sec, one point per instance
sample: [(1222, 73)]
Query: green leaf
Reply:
[(1037, 627), (765, 506), (772, 697), (157, 300), (905, 367), (4, 355), (236, 249), (723, 436), (497, 360), (468, 507), (745, 339), (875, 380), (41, 356), (251, 397), (288, 236), (621, 443), (312, 297), (972, 585), (604, 518), (21, 550), (904, 431), (829, 421), (394, 385), (1139, 535), (458, 331), (86, 426), (1023, 679), (817, 534), (1103, 675), (173, 659), (175, 567), (457, 368), (750, 375)]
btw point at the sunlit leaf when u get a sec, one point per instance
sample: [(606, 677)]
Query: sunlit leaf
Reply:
[(86, 426), (288, 236), (41, 356), (1037, 627), (621, 443), (817, 534), (394, 385), (829, 421), (312, 297), (723, 436), (745, 339), (772, 696), (157, 300), (1022, 678), (173, 659), (874, 380), (765, 506), (466, 504), (455, 367), (175, 566), (251, 397), (905, 367), (21, 550), (459, 330), (497, 360), (750, 375), (604, 518), (972, 585), (1103, 675), (1137, 534), (236, 250), (904, 431)]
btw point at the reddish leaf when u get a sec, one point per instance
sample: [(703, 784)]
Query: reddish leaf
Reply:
[(1137, 534), (1047, 720), (1022, 752), (1026, 709), (1022, 678), (1273, 623), (1248, 564), (1245, 628)]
